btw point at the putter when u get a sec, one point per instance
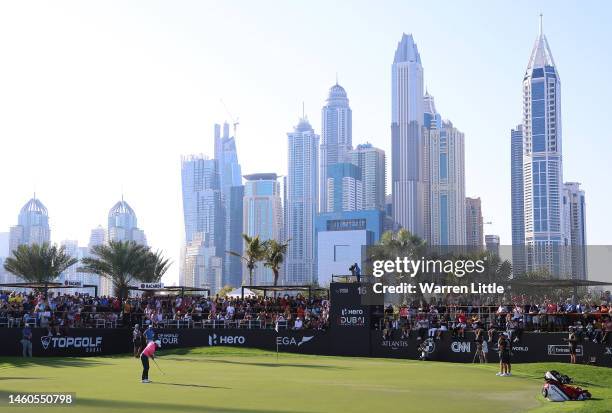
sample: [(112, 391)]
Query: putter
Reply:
[(162, 372)]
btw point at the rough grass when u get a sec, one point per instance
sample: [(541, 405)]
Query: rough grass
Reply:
[(230, 380)]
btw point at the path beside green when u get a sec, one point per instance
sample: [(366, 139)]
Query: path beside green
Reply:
[(233, 380)]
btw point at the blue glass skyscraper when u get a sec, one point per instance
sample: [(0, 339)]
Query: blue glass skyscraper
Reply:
[(301, 203), (204, 218), (230, 184), (336, 136), (545, 235), (517, 201)]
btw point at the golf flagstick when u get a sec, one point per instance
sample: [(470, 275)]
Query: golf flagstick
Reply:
[(276, 329)]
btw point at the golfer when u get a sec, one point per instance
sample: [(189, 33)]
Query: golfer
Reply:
[(149, 351)]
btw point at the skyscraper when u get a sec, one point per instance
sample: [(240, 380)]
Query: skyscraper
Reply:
[(32, 225), (343, 188), (4, 253), (576, 210), (492, 243), (72, 273), (236, 243), (517, 201), (263, 217), (32, 228), (204, 219), (336, 135), (230, 177), (202, 265), (406, 136), (473, 222), (545, 235), (4, 244), (371, 162), (302, 201), (123, 224), (444, 179), (96, 237)]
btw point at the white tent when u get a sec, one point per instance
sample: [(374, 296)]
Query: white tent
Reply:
[(238, 293)]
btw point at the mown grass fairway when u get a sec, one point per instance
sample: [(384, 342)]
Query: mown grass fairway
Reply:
[(230, 380)]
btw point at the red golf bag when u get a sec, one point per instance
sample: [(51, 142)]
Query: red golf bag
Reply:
[(557, 389)]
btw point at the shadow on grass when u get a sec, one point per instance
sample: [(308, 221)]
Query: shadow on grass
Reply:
[(116, 405), (22, 378), (48, 362), (189, 385), (258, 364)]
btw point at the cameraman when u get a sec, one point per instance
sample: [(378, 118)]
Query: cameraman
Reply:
[(356, 272)]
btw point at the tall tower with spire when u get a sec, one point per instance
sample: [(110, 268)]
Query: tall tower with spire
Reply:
[(406, 136), (302, 198), (336, 136), (123, 224), (546, 239), (32, 228)]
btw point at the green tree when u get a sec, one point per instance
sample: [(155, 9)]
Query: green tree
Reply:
[(254, 251), (155, 265), (121, 262), (274, 256), (399, 244), (39, 263)]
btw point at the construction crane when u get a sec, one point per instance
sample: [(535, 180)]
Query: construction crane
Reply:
[(234, 121)]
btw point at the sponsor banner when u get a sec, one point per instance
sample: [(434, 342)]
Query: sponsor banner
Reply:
[(215, 339), (151, 286), (533, 347), (168, 339), (461, 347), (90, 344), (75, 284), (352, 317), (563, 350), (286, 341)]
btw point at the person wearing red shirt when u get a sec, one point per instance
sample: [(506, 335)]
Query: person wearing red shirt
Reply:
[(148, 352)]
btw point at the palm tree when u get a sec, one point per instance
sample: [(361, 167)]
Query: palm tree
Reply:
[(39, 263), (154, 267), (119, 261), (399, 244), (254, 251), (274, 257)]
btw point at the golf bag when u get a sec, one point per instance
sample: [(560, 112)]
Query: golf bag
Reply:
[(557, 389)]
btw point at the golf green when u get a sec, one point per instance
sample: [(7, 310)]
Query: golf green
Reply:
[(217, 379)]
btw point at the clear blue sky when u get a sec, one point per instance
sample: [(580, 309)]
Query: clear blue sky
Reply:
[(96, 97)]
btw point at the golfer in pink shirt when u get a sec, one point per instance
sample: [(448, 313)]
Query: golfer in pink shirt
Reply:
[(149, 351)]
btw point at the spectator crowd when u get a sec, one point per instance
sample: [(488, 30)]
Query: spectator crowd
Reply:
[(57, 312), (589, 321)]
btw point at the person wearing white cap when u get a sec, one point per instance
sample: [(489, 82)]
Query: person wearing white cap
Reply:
[(149, 351), (137, 340)]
